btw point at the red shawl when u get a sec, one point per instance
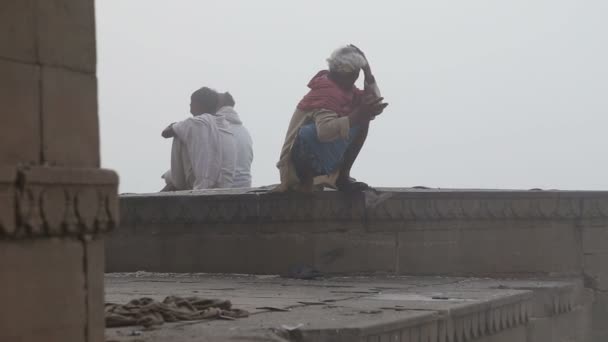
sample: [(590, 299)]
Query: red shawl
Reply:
[(325, 94)]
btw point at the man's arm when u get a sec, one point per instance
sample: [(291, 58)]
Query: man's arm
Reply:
[(330, 126), (373, 99), (371, 87), (168, 132)]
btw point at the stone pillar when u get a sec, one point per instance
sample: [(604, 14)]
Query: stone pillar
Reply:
[(55, 202)]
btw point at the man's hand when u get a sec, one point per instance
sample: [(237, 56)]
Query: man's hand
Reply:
[(367, 69), (168, 132), (358, 50), (373, 104), (367, 110)]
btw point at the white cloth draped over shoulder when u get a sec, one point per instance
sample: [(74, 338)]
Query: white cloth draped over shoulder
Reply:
[(244, 147), (227, 150)]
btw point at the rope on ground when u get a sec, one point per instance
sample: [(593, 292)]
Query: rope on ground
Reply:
[(148, 312)]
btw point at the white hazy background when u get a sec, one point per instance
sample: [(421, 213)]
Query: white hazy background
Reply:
[(482, 93)]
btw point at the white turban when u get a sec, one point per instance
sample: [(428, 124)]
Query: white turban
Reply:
[(346, 59)]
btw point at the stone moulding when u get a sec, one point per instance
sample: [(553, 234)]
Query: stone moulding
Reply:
[(492, 205), (487, 321), (403, 206), (55, 201), (465, 326)]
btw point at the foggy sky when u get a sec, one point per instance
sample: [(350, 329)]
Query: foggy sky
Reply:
[(482, 93)]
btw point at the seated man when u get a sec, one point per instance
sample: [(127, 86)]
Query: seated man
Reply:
[(203, 151), (244, 144), (330, 125)]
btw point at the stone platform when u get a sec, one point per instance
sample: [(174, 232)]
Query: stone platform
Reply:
[(423, 232), (374, 309)]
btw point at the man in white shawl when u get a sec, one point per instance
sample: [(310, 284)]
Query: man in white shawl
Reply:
[(203, 152), (244, 143)]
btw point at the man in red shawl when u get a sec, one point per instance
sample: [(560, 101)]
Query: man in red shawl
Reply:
[(329, 126)]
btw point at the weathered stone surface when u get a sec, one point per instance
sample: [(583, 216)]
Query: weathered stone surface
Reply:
[(573, 326), (66, 34), (51, 202), (43, 290), (51, 286), (599, 317), (595, 237), (481, 233), (355, 252), (95, 264), (183, 209), (540, 330), (210, 252), (20, 112), (436, 205), (355, 308), (596, 270), (557, 319), (595, 206), (510, 335), (69, 100), (323, 207), (8, 199), (186, 250), (491, 249), (17, 31), (439, 232)]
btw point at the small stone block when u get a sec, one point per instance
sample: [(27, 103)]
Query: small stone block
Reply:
[(17, 30), (19, 114), (70, 123), (66, 34)]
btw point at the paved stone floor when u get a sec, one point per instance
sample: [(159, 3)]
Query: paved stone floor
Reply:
[(357, 306)]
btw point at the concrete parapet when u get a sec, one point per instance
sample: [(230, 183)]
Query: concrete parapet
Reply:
[(427, 232)]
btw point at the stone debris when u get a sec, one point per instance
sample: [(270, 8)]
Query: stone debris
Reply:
[(149, 312)]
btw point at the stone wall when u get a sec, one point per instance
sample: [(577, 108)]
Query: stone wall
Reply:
[(423, 232), (55, 202)]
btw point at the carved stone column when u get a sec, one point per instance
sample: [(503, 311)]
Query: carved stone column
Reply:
[(55, 202)]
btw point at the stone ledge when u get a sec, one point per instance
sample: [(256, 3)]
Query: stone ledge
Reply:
[(429, 232), (406, 207), (48, 201)]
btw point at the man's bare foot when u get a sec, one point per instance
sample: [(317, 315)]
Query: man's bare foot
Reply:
[(167, 188), (349, 184)]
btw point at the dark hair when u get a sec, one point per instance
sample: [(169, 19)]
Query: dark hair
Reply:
[(207, 97), (228, 99)]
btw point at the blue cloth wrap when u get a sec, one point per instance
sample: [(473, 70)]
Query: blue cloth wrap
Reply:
[(322, 158)]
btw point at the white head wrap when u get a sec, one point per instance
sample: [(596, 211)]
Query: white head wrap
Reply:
[(346, 59)]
